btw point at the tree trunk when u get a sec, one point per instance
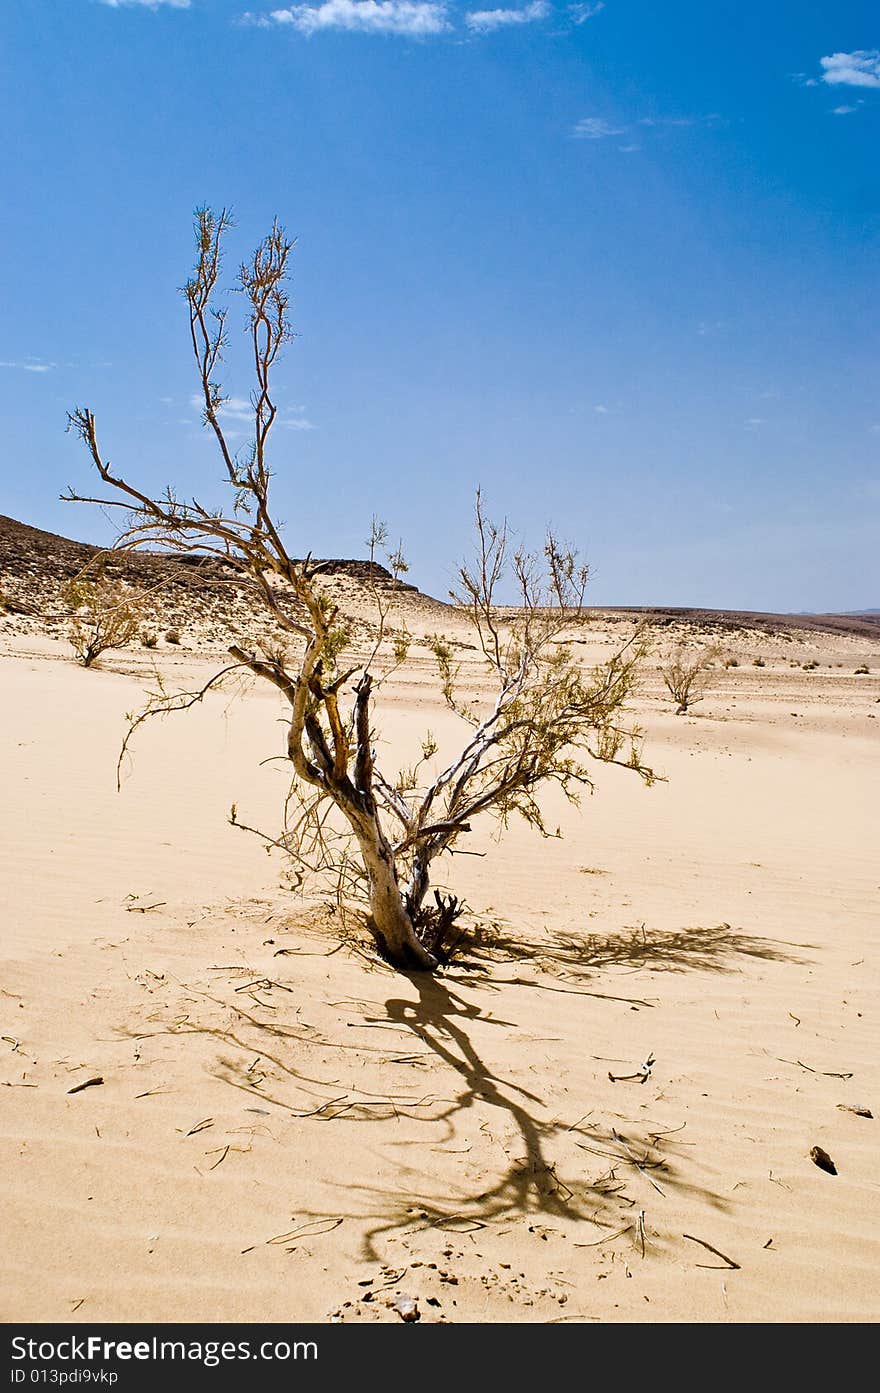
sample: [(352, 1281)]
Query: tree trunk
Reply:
[(389, 921), (418, 883)]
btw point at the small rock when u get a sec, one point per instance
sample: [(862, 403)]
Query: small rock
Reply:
[(821, 1159), (407, 1307)]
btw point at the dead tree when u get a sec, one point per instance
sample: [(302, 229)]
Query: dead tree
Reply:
[(548, 721)]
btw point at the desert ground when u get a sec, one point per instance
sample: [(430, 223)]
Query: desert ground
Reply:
[(219, 1104)]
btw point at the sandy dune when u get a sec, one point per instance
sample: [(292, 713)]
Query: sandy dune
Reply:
[(288, 1130)]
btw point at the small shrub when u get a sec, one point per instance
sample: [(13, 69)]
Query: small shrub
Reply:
[(686, 676), (758, 662), (149, 639), (104, 616), (172, 636), (862, 669), (731, 662)]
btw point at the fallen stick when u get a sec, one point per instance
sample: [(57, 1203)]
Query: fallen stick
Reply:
[(89, 1083), (824, 1073), (202, 1126), (609, 1238), (734, 1266), (572, 991), (314, 1225), (644, 1072)]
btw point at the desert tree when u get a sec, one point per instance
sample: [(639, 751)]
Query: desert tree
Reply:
[(549, 720), (104, 614), (686, 675)]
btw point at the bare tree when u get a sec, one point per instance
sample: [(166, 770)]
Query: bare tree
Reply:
[(105, 615), (548, 721), (686, 675)]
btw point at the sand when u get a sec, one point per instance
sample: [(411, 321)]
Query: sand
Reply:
[(285, 1129)]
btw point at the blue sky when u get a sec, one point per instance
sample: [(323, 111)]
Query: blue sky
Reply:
[(616, 263)]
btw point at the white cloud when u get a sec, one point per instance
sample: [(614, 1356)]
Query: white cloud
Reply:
[(844, 110), (240, 411), (667, 121), (29, 365), (233, 409), (413, 17), (858, 69), (147, 4), (601, 410), (596, 128), (711, 120), (582, 12), (484, 21)]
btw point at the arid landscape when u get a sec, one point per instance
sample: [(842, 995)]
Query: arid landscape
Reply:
[(220, 1104)]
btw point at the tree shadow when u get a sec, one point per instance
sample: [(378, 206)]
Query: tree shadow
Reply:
[(573, 957), (531, 1185), (559, 1171)]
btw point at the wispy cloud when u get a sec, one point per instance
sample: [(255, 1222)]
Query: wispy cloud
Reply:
[(860, 68), (596, 128), (147, 4), (579, 14), (29, 365), (712, 119), (414, 17), (844, 110), (484, 21), (239, 411), (233, 409)]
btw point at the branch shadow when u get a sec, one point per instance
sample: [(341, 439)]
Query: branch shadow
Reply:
[(559, 1171), (531, 1185), (575, 957)]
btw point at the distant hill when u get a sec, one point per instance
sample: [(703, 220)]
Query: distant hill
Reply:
[(35, 566), (865, 624)]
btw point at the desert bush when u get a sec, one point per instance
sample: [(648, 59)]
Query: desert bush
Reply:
[(758, 662), (862, 670), (686, 676), (105, 615), (172, 636), (731, 662), (376, 832), (149, 639)]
